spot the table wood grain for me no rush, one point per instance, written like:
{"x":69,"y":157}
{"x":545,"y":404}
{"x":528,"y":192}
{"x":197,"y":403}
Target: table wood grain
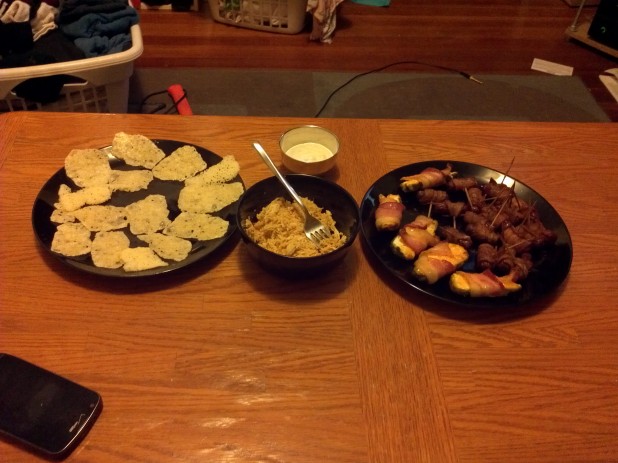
{"x":225,"y":362}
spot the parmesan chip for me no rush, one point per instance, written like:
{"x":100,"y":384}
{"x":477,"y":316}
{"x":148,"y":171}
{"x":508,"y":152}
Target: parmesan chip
{"x":148,"y":215}
{"x":87,"y":167}
{"x":226,"y":170}
{"x":201,"y":227}
{"x":136,"y":150}
{"x":60,"y":216}
{"x":208,"y":198}
{"x":142,"y":258}
{"x":168,"y":246}
{"x":106,"y":249}
{"x":63,"y":189}
{"x":102,"y":218}
{"x":130,"y":180}
{"x":72,"y":200}
{"x":71,"y":239}
{"x":183,"y":163}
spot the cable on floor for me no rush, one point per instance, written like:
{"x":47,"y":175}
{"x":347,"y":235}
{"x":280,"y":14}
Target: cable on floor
{"x":162,"y":108}
{"x":382,"y":68}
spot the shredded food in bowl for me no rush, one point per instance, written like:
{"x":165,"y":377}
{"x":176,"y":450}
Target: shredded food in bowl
{"x":279,"y":227}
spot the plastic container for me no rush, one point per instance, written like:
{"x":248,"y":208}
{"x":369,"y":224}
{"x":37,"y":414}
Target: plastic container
{"x":309,"y":149}
{"x":103,"y":82}
{"x":281,"y":16}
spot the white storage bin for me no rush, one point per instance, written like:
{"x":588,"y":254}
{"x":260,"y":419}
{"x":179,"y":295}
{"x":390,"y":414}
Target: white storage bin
{"x":103,"y":82}
{"x":282,"y":16}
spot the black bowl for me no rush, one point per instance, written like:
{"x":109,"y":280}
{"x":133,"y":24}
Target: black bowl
{"x":324,"y":193}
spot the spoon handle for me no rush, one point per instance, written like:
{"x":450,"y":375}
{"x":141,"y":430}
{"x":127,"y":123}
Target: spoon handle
{"x":275,"y":171}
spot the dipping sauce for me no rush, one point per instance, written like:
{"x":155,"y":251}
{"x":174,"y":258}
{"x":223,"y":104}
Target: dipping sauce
{"x":309,"y":152}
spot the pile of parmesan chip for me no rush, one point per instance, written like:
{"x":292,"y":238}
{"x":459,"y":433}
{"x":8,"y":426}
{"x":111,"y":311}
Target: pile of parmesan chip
{"x":88,"y":224}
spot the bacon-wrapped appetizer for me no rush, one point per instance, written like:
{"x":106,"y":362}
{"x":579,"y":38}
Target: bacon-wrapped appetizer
{"x":486,"y":256}
{"x":483,"y":284}
{"x":415,"y":237}
{"x":439,"y":261}
{"x":431,"y":195}
{"x":540,"y":235}
{"x":453,"y":235}
{"x":476,"y":198}
{"x":389,"y":212}
{"x":495,"y":190}
{"x":428,"y":178}
{"x":482,"y":232}
{"x":425,"y":222}
{"x":461,"y":183}
{"x":508,"y":262}
{"x":454,"y":209}
{"x":516,"y":238}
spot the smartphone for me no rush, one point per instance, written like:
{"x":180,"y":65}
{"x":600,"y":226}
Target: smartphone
{"x":42,"y":411}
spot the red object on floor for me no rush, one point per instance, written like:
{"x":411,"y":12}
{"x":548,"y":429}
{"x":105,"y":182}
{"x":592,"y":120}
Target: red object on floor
{"x":179,"y":98}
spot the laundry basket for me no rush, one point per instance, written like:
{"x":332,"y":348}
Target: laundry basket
{"x":101,"y":83}
{"x":282,"y":16}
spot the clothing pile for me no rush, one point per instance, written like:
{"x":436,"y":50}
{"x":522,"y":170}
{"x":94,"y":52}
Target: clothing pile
{"x":37,"y":32}
{"x":324,"y":14}
{"x":98,"y":27}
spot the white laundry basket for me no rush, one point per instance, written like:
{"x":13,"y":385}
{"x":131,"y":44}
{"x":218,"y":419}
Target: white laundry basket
{"x":282,"y":16}
{"x":102,"y":82}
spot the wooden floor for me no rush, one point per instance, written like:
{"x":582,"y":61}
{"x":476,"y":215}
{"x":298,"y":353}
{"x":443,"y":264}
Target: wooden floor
{"x":493,"y":36}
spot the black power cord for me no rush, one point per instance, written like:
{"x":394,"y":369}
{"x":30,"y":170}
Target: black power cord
{"x":162,"y":106}
{"x":159,"y":106}
{"x":397,"y":63}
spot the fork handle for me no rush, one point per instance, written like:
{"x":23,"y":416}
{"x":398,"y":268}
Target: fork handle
{"x":281,"y":178}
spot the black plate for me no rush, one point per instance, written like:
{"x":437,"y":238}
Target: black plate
{"x":44,"y":229}
{"x":546,"y":276}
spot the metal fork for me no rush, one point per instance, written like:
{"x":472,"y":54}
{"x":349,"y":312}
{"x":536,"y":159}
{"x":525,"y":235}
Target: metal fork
{"x":314,"y":230}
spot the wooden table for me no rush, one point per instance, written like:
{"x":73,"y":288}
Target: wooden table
{"x":225,"y":362}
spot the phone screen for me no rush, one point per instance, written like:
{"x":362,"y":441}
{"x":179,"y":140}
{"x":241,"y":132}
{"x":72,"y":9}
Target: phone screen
{"x":43,"y":410}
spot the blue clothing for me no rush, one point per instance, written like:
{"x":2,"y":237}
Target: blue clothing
{"x":102,"y":33}
{"x":97,"y":46}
